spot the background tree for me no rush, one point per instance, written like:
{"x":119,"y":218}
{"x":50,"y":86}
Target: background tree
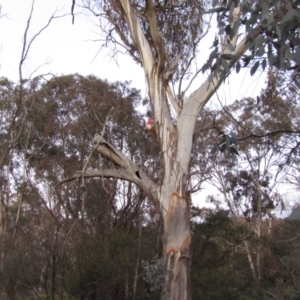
{"x":249,"y":182}
{"x":99,"y":238}
{"x":71,"y":237}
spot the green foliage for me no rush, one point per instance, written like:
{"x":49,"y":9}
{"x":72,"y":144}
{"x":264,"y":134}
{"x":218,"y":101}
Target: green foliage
{"x":219,"y":267}
{"x":220,"y":262}
{"x":226,"y":142}
{"x":278,"y":23}
{"x":154,"y":273}
{"x":180,"y":26}
{"x":294,"y":294}
{"x":222,"y":284}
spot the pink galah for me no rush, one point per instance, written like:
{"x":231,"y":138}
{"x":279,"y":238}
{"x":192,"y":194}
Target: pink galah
{"x":149,"y":124}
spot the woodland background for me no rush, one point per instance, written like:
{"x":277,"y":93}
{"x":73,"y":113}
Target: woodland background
{"x":100,"y":238}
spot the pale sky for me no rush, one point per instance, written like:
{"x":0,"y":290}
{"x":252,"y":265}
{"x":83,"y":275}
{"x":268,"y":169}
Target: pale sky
{"x":64,"y":48}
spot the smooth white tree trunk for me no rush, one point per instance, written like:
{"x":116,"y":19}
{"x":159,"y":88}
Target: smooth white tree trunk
{"x":174,"y":135}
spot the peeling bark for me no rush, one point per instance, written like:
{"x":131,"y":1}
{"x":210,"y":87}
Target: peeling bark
{"x":176,"y":224}
{"x":176,"y":249}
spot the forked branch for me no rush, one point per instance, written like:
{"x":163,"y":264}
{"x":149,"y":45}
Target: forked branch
{"x":125,"y":168}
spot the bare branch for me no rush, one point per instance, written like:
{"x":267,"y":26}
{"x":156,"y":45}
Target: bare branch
{"x":26,"y":47}
{"x":110,"y":152}
{"x":102,"y":134}
{"x":72,"y":11}
{"x":129,"y":170}
{"x":109,"y":173}
{"x":98,"y":143}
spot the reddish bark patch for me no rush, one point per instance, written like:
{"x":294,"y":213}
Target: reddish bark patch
{"x":177,"y":225}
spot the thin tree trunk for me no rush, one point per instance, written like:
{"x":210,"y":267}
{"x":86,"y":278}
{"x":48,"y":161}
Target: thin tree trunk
{"x":2,"y":235}
{"x":53,"y":276}
{"x":53,"y":289}
{"x":5,"y":202}
{"x":140,"y":227}
{"x":126,"y":285}
{"x":21,"y":195}
{"x":251,"y":263}
{"x":258,"y":232}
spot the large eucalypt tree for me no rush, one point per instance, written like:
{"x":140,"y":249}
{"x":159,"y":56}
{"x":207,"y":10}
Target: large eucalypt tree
{"x":164,"y":38}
